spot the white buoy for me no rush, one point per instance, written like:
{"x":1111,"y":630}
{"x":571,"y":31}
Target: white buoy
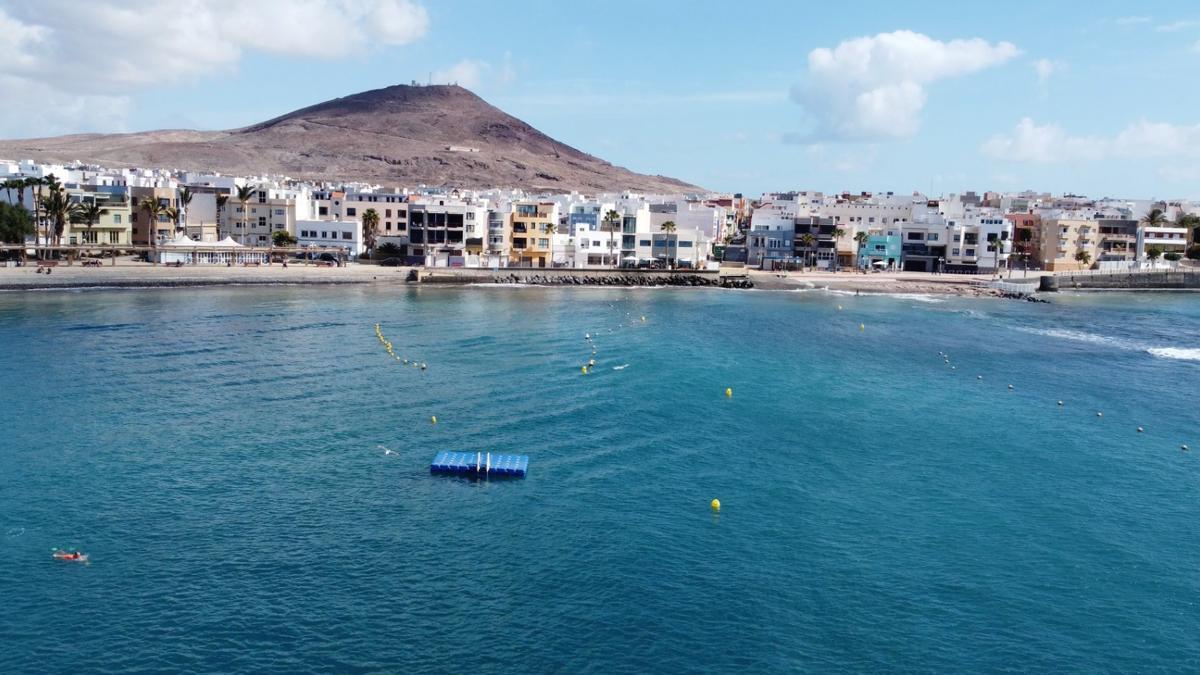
{"x":979,"y":377}
{"x":1099,"y":414}
{"x":1140,"y":430}
{"x":1060,"y":402}
{"x":1183,"y":448}
{"x":1010,"y":386}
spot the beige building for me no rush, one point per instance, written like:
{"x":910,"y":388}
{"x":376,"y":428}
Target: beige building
{"x":1064,"y":239}
{"x":163,"y":229}
{"x":114,"y":228}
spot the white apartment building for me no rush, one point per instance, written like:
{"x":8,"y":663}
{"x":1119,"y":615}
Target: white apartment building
{"x":1163,"y":239}
{"x":343,"y":234}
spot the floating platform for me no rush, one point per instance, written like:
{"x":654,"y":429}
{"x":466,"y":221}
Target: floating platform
{"x":482,"y":464}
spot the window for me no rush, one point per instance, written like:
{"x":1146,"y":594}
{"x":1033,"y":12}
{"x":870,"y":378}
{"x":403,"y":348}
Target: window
{"x":116,"y":218}
{"x":387,"y":213}
{"x":279,"y":212}
{"x":114,"y":237}
{"x":970,"y":253}
{"x":347,"y":235}
{"x":324,"y":235}
{"x":262,"y":197}
{"x":933,"y":236}
{"x":262,"y":221}
{"x":915,"y":236}
{"x":954,"y":252}
{"x":238,"y":210}
{"x":544,"y":243}
{"x":351,"y":211}
{"x":322,"y":210}
{"x":957,"y":238}
{"x":470,"y":215}
{"x":687,"y":244}
{"x":388,"y":226}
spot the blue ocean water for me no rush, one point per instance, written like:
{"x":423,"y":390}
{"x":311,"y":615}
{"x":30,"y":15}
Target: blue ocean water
{"x":220,"y":454}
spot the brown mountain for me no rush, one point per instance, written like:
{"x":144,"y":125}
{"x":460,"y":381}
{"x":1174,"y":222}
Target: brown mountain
{"x":401,"y":135}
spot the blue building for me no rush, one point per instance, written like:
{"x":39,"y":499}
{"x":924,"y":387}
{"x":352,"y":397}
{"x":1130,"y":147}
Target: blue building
{"x":880,"y":247}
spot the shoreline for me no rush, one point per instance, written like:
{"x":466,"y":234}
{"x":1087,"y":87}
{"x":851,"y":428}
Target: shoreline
{"x":144,"y":276}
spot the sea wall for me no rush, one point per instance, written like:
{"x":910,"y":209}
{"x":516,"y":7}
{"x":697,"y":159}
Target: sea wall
{"x":1155,"y":280}
{"x":583,"y":277}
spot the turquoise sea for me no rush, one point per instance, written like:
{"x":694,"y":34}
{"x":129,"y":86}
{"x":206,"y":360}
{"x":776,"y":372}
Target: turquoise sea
{"x":248,"y":470}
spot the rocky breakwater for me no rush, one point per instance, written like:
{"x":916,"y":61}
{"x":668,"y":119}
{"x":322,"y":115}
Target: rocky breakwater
{"x":617,"y":279}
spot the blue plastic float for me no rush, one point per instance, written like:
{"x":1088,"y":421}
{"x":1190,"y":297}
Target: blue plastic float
{"x":481,"y":464}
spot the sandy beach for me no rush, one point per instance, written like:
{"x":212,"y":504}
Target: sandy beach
{"x":884,"y":282}
{"x":130,"y":274}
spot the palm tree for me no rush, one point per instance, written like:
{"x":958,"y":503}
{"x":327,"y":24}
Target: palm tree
{"x":1084,"y":258}
{"x":838,"y":233}
{"x":87,"y":214}
{"x":14,"y":184}
{"x":1156,"y":218}
{"x":861,"y":238}
{"x":1154,"y":253}
{"x":669,"y":228}
{"x":57,"y":207}
{"x":185,"y":199}
{"x":153,"y":210}
{"x":244,"y":194}
{"x":612,"y":218}
{"x":370,"y":221}
{"x":221,"y":201}
{"x":998,"y":248}
{"x":807,"y":241}
{"x":173,"y":214}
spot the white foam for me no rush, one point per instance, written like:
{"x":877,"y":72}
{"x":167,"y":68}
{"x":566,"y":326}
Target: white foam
{"x":1181,"y":353}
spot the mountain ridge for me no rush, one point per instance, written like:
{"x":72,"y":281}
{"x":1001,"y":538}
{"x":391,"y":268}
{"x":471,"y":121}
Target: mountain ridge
{"x":403,"y":135}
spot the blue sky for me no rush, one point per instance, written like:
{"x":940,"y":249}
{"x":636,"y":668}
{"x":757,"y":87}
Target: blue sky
{"x":747,"y":96}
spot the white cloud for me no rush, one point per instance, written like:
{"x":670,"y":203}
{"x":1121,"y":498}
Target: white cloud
{"x":1133,"y":20}
{"x":110,"y":48}
{"x":1044,"y":69}
{"x":473,"y":74}
{"x":1176,"y":26}
{"x":1049,"y":143}
{"x":873,"y":88}
{"x":466,"y":73}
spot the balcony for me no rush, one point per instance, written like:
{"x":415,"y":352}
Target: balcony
{"x":519,"y":228}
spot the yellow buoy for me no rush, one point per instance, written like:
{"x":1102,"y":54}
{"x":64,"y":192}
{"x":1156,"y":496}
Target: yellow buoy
{"x":716,"y":505}
{"x":433,"y":418}
{"x":728,"y":392}
{"x":862,"y":326}
{"x":583,"y":369}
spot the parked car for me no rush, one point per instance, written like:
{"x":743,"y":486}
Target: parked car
{"x":391,"y":262}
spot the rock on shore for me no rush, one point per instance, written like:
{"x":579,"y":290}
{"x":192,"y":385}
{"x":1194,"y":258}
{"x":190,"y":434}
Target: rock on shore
{"x":621,"y":280}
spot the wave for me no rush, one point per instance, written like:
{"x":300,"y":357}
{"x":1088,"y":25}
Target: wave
{"x":1178,"y":353}
{"x":1181,"y":353}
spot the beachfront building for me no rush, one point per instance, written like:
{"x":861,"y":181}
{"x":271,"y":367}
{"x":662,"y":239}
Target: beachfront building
{"x":815,"y":242}
{"x":343,"y":234}
{"x":269,"y":210}
{"x":883,"y":249}
{"x":1160,"y":239}
{"x":1117,"y":248}
{"x":182,"y":250}
{"x":145,"y":227}
{"x":979,"y":242}
{"x":438,"y":226}
{"x":925,"y":239}
{"x":1069,"y":240}
{"x":114,"y":226}
{"x":770,"y":242}
{"x":534,"y":224}
{"x":1026,"y":229}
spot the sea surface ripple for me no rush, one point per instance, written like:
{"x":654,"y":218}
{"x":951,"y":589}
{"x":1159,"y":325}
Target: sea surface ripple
{"x":220,"y":454}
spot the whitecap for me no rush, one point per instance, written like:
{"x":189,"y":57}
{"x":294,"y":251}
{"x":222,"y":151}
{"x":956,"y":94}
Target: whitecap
{"x":1181,"y":353}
